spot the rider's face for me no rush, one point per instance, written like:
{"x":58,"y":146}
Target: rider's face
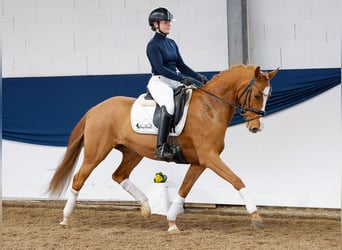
{"x":164,"y":26}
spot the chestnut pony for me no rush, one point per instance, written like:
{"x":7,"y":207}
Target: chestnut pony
{"x":242,"y":88}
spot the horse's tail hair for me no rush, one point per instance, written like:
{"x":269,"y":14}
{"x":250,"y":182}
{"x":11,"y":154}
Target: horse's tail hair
{"x":62,"y":177}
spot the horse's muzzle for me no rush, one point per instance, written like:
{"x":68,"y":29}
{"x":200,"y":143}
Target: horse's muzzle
{"x":255,"y":127}
{"x":254,"y":130}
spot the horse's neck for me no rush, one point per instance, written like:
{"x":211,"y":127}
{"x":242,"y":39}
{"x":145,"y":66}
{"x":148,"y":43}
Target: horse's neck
{"x":224,"y":86}
{"x":228,"y":83}
{"x":216,"y":105}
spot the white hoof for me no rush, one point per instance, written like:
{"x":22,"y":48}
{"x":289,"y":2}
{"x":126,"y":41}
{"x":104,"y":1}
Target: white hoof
{"x":173,"y":229}
{"x":146,"y":210}
{"x":64,"y":223}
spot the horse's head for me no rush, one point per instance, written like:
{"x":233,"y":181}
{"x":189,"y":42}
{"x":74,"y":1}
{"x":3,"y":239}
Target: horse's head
{"x":253,"y":97}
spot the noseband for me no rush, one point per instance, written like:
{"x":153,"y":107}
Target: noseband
{"x":242,"y":109}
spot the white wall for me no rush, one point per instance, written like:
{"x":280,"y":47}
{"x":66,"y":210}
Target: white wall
{"x":79,"y":37}
{"x":295,"y":34}
{"x":82,"y":37}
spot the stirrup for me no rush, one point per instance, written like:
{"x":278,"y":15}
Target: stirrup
{"x":163,"y":153}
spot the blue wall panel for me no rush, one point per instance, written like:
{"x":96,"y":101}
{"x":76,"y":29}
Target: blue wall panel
{"x":44,"y":110}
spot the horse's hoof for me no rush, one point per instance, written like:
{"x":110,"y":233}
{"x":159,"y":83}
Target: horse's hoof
{"x":146,"y":210}
{"x":173,"y":230}
{"x":64,"y":223}
{"x":258,"y":224}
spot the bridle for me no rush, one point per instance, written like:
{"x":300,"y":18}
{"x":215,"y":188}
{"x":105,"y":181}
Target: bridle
{"x":242,"y":109}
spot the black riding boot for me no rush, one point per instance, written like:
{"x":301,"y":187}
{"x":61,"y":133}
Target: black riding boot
{"x":163,"y":151}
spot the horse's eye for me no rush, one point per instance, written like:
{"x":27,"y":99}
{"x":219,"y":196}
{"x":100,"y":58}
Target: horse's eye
{"x":257,"y":97}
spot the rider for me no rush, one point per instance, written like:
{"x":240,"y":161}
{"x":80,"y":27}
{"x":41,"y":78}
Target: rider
{"x":165,"y":60}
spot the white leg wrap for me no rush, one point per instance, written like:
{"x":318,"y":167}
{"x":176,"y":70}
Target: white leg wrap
{"x":173,"y":227}
{"x":176,"y":208}
{"x":250,"y":206}
{"x":69,"y":206}
{"x":133,"y":190}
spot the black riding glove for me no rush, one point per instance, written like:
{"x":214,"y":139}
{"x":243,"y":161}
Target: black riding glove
{"x":187,"y":81}
{"x":202,"y":78}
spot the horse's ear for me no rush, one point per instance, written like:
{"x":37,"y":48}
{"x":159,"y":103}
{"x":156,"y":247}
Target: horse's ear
{"x":273,"y":73}
{"x":257,"y":73}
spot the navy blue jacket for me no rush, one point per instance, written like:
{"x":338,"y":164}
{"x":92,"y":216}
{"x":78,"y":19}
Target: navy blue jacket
{"x":164,"y":56}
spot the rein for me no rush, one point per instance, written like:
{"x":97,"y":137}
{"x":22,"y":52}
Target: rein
{"x":241,"y":109}
{"x":217,"y":97}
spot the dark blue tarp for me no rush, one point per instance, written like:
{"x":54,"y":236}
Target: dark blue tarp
{"x":43,"y":110}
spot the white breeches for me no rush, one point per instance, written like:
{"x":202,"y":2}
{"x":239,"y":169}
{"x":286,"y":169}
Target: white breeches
{"x":161,"y":89}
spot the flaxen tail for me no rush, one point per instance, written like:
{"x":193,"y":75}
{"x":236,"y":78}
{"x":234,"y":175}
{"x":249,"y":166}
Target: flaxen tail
{"x":62,"y":177}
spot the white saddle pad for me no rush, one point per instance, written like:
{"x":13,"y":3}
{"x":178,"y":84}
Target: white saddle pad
{"x":142,"y":116}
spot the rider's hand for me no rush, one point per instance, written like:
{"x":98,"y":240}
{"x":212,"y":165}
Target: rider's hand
{"x":187,"y":81}
{"x":202,"y":78}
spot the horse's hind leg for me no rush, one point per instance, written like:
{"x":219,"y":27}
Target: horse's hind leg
{"x":130,"y":160}
{"x":93,"y":155}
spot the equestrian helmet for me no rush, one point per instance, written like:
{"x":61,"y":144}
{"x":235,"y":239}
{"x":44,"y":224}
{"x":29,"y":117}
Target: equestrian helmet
{"x":158,"y":15}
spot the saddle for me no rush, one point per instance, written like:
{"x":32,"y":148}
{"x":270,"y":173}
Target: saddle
{"x":145,"y":116}
{"x":180,"y":98}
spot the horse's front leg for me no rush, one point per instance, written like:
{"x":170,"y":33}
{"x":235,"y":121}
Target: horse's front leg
{"x":194,"y":171}
{"x":215,"y":163}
